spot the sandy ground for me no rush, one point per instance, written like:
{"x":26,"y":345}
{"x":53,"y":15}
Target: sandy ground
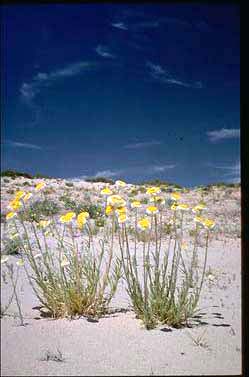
{"x":118,"y":344}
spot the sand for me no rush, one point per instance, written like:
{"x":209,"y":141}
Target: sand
{"x":118,"y":344}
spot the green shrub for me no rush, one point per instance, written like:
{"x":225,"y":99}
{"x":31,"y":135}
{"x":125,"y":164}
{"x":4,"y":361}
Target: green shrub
{"x":95,"y":211}
{"x":39,"y":209}
{"x":100,"y":179}
{"x":14,"y":174}
{"x":12,"y":245}
{"x":69,"y":184}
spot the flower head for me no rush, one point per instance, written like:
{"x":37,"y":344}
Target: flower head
{"x":120,"y":183}
{"x":199,"y":219}
{"x":143,"y":223}
{"x":121,"y":210}
{"x":175,"y":196}
{"x":106,"y":191}
{"x":81,"y":219}
{"x":198,"y":208}
{"x":122,"y":218}
{"x":15,"y":204}
{"x":10,"y":215}
{"x":67,"y":217}
{"x":27,"y":196}
{"x":151,"y":210}
{"x":174,"y":206}
{"x":157,"y":199}
{"x":153,"y":190}
{"x":109,"y":210}
{"x":183,"y":207}
{"x":135,"y":204}
{"x":19,"y":194}
{"x":208,"y":224}
{"x":40,"y":186}
{"x":116,"y":201}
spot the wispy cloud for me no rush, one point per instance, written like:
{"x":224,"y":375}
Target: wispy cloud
{"x":223,"y":134}
{"x":23,"y":145}
{"x":108,"y":173}
{"x":120,"y":25}
{"x":104,"y":52}
{"x":230,"y":173}
{"x":158,"y":73}
{"x":162,"y":168}
{"x":144,"y":144}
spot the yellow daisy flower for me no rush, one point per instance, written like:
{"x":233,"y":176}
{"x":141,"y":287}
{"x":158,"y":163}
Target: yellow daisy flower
{"x":106,"y":191}
{"x":10,"y":215}
{"x":151,"y":210}
{"x":116,"y":201}
{"x":19,"y":194}
{"x":153,"y":190}
{"x":109,"y":210}
{"x":15,"y":204}
{"x":208,"y":224}
{"x":198,"y":208}
{"x":174,"y":206}
{"x":183,"y":207}
{"x":135,"y":204}
{"x":81,"y":219}
{"x":157,"y":199}
{"x":121,"y":210}
{"x":144,"y":223}
{"x":122,"y":218}
{"x":27,"y":196}
{"x":199,"y":219}
{"x":40,"y":186}
{"x":120,"y":183}
{"x":67,"y":217}
{"x":175,"y":196}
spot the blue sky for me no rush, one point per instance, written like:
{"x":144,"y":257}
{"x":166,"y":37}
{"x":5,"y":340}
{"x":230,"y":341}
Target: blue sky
{"x":131,"y":92}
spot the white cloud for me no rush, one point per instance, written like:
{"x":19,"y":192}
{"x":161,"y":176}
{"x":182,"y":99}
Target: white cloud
{"x":23,"y":145}
{"x":158,"y":73}
{"x":103,"y":51}
{"x":232,"y":171}
{"x":120,"y":25}
{"x":142,"y":144}
{"x":161,"y":168}
{"x":223,"y":134}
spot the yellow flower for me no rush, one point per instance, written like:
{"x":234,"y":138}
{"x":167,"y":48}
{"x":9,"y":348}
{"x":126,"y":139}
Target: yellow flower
{"x":151,"y":210}
{"x":121,"y":210}
{"x":120,"y":183}
{"x":175,"y":196}
{"x":183,"y":207}
{"x":116,"y":201}
{"x":199,"y":219}
{"x":27,"y":196}
{"x":67,"y":217}
{"x":122,"y":218}
{"x":81,"y":219}
{"x":209,"y":224}
{"x":19,"y":194}
{"x":20,"y":262}
{"x":198,"y":208}
{"x":40,"y":186}
{"x":157,"y":199}
{"x":135,"y":204}
{"x":15,"y":204}
{"x":44,"y":223}
{"x":4,"y":259}
{"x":174,"y":206}
{"x":109,"y":210}
{"x":10,"y":215}
{"x":153,"y":190}
{"x":144,"y":223}
{"x":106,"y":191}
{"x":64,"y":261}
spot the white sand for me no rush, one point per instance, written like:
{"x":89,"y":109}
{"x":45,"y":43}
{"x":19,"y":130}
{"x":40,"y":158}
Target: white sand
{"x":119,"y":345}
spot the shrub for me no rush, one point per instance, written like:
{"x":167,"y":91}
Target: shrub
{"x":12,"y":245}
{"x":14,"y":174}
{"x":69,"y":184}
{"x":39,"y":209}
{"x":100,"y":179}
{"x":94,"y":210}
